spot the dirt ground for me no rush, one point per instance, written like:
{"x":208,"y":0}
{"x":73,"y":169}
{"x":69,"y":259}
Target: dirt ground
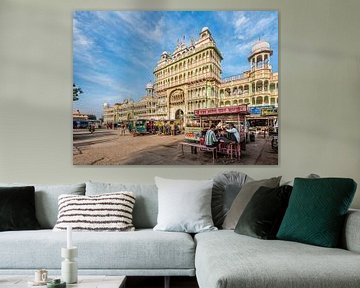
{"x":108,"y":147}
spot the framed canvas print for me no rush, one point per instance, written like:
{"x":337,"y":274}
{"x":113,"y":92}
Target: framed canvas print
{"x":175,"y":88}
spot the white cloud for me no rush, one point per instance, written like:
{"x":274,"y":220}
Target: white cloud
{"x":240,"y":23}
{"x":244,"y":48}
{"x":231,"y":69}
{"x":262,"y":25}
{"x":136,"y":22}
{"x":80,"y":40}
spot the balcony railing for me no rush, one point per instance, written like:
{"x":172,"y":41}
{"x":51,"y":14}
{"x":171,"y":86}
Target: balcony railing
{"x":203,"y":76}
{"x":185,"y":55}
{"x":233,"y":78}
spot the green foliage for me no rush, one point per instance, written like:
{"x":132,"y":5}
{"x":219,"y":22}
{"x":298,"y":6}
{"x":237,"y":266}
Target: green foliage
{"x":76,"y":92}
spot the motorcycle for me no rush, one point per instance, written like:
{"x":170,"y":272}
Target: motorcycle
{"x":92,"y":129}
{"x":274,"y":142}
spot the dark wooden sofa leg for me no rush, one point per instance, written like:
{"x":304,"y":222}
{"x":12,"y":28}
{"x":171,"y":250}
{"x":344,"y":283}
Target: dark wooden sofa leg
{"x":167,"y":282}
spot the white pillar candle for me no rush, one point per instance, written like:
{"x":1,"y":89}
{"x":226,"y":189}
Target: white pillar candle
{"x":69,"y":237}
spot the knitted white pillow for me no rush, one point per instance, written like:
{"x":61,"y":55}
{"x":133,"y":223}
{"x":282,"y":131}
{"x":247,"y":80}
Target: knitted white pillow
{"x":105,"y":212}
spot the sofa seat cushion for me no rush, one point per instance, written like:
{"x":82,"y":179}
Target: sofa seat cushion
{"x":226,"y":259}
{"x":142,"y":249}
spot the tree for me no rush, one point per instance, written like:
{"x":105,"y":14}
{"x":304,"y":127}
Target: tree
{"x":91,"y":117}
{"x":76,"y":92}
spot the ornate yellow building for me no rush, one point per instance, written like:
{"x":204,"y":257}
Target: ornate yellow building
{"x":190,"y":79}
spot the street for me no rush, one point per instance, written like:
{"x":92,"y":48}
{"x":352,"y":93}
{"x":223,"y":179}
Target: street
{"x":108,"y":147}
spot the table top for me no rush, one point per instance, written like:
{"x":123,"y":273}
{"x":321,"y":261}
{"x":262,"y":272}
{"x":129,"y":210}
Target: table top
{"x":84,"y":281}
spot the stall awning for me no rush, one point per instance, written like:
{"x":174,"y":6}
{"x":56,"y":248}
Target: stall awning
{"x":240,"y":109}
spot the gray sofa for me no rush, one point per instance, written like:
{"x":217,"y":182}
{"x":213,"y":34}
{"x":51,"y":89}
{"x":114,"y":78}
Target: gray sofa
{"x":218,"y":259}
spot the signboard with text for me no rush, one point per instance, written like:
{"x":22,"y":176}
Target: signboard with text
{"x":241,"y":109}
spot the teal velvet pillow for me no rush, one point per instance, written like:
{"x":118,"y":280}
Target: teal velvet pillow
{"x":316,"y":211}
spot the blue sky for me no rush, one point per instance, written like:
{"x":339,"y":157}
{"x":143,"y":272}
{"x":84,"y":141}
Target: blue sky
{"x":115,"y":52}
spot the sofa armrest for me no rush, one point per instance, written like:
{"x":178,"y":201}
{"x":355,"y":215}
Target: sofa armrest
{"x":351,"y":234}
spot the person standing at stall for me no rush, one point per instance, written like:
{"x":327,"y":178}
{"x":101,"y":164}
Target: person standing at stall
{"x":234,"y":133}
{"x":210,"y":137}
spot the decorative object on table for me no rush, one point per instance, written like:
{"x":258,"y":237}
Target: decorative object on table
{"x":69,"y":269}
{"x":40,"y":279}
{"x":56,"y":283}
{"x":41,"y":275}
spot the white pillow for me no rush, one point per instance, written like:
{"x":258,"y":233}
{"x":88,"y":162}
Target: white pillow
{"x":105,"y":212}
{"x":184,"y":205}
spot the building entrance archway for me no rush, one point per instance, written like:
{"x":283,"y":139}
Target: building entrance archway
{"x":177,"y":105}
{"x":179,"y":114}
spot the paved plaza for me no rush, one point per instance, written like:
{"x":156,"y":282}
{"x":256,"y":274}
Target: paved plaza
{"x":108,"y":147}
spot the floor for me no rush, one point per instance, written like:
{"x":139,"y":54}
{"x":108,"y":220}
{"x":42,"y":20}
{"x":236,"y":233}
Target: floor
{"x":158,"y":282}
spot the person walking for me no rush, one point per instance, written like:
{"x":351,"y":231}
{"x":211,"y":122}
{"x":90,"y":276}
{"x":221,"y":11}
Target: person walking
{"x":172,"y":128}
{"x":122,"y":129}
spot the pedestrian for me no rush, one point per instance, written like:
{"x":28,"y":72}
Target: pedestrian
{"x":210,"y":137}
{"x":167,"y":129}
{"x":172,"y":127}
{"x":122,"y":129}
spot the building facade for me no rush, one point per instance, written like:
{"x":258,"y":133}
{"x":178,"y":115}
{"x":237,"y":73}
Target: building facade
{"x":190,"y":79}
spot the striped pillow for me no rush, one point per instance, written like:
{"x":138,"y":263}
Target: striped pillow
{"x":105,"y":212}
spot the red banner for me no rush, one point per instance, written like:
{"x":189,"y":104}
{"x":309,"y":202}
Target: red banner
{"x":241,"y":109}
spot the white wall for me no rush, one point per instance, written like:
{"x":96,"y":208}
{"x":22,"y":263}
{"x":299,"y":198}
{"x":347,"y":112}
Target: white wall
{"x":319,"y":69}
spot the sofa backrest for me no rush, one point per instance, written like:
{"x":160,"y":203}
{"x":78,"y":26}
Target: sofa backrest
{"x":46,"y":200}
{"x":146,"y":203}
{"x":351,"y":237}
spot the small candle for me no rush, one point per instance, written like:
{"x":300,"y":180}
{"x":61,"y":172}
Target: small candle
{"x":69,"y":239}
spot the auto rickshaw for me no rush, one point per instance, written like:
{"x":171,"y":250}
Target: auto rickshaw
{"x":138,"y":127}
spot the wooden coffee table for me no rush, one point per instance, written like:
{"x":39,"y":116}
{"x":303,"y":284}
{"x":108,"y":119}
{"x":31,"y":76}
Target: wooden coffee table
{"x":83,"y":282}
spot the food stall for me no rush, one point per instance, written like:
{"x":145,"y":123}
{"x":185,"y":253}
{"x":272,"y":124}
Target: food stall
{"x":234,"y":114}
{"x":205,"y":117}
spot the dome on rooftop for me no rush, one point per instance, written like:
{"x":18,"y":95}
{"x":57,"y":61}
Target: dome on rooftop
{"x":204,"y":29}
{"x":149,"y":85}
{"x":164,"y":53}
{"x":260,"y":46}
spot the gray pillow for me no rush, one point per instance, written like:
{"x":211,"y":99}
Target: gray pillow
{"x":46,"y":200}
{"x":310,"y":176}
{"x":243,"y":198}
{"x":184,"y":205}
{"x":226,"y":187}
{"x":146,"y":204}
